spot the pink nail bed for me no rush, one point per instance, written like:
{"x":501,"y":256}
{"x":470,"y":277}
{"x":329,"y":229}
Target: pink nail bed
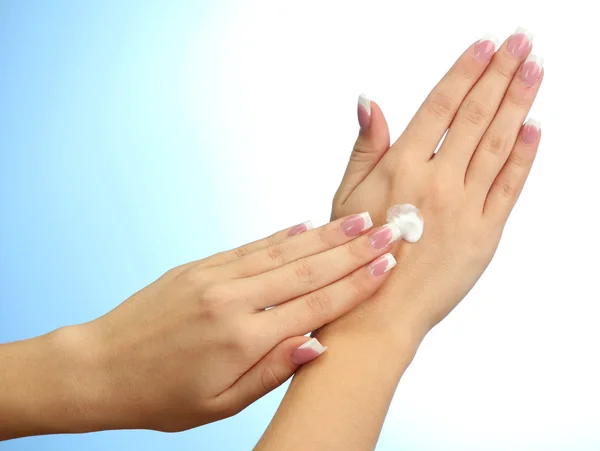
{"x":364,"y":112}
{"x":531,"y":70}
{"x":300,"y":228}
{"x":355,"y":224}
{"x":519,"y":43}
{"x":485,"y":48}
{"x":384,"y":236}
{"x":307,"y":352}
{"x":531,"y":131}
{"x":381,"y":265}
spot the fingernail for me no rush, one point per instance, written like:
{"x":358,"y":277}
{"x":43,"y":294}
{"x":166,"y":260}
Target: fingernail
{"x":301,"y":228}
{"x":355,"y":224}
{"x":364,"y":112}
{"x":531,"y":131}
{"x":383,"y":236}
{"x":485,"y":47}
{"x":307,"y":352}
{"x":381,"y":265}
{"x":518,"y":44}
{"x":531,"y":70}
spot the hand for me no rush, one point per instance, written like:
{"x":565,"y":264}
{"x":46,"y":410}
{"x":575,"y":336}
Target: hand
{"x":465,"y":191}
{"x":201,"y":343}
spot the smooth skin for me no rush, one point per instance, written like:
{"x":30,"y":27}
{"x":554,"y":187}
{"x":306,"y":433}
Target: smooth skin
{"x":466,"y":192}
{"x":201,"y":343}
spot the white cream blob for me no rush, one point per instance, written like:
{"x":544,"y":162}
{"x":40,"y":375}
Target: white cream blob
{"x":408,"y":219}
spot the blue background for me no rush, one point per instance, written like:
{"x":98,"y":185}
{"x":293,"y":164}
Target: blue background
{"x":104,"y":183}
{"x":134,"y":134}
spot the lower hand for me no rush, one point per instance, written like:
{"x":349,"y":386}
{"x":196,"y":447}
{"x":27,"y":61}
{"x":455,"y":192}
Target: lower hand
{"x":210,"y":337}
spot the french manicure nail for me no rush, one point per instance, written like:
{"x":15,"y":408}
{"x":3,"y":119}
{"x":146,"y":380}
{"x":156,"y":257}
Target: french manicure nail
{"x":307,"y":352}
{"x":531,"y":131}
{"x":385,"y":235}
{"x":485,"y":47}
{"x":531,"y":70}
{"x":301,"y":228}
{"x":520,"y":42}
{"x":355,"y":224}
{"x":381,"y":265}
{"x":364,"y":112}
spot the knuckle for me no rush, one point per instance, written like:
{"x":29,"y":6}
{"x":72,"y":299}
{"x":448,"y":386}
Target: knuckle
{"x":439,"y":193}
{"x":517,"y":160}
{"x":237,"y":340}
{"x":518,"y":97}
{"x":215,"y":300}
{"x":356,"y":287}
{"x":362,"y":151}
{"x":476,"y":113}
{"x":355,"y":250}
{"x":318,"y":303}
{"x":276,"y":253}
{"x":269,"y":380}
{"x":307,"y":272}
{"x":272,"y":240}
{"x":191,"y":277}
{"x":441,"y":105}
{"x":495,"y":143}
{"x":506,"y":188}
{"x":324,"y":236}
{"x":241,"y":251}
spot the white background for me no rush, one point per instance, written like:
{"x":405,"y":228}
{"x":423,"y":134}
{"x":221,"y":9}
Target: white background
{"x":515,"y":366}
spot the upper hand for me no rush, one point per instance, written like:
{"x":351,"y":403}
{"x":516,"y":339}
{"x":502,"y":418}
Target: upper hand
{"x":465,"y":191}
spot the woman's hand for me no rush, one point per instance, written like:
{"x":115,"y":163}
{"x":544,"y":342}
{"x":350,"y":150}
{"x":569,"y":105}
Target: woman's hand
{"x":465,"y":192}
{"x":202,"y":342}
{"x":467,"y":189}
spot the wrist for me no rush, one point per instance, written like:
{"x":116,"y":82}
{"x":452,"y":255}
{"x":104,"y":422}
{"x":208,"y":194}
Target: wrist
{"x":41,"y":390}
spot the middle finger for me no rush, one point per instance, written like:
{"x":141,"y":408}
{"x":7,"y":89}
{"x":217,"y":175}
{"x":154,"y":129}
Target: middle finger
{"x":479,"y":107}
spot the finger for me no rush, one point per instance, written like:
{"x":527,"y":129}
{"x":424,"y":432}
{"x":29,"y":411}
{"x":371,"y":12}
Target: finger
{"x":510,"y":181}
{"x":433,"y":118}
{"x":311,"y":273}
{"x":372,"y":142}
{"x":235,"y":254}
{"x":315,"y":241}
{"x":320,"y":307}
{"x":477,"y":111}
{"x":499,"y":139}
{"x":270,"y":372}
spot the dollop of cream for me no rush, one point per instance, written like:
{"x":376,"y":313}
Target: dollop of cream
{"x":408,"y":219}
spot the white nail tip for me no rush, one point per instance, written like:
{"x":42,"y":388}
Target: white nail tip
{"x":535,"y":59}
{"x":391,"y":262}
{"x":490,"y":37}
{"x":521,"y":30}
{"x":533,"y":123}
{"x":315,"y":345}
{"x":396,"y":231}
{"x":365,"y":101}
{"x":368,"y":222}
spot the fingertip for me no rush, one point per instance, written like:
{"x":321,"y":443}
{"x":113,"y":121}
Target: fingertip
{"x":531,"y":131}
{"x":301,"y":228}
{"x":307,"y":352}
{"x":381,"y":265}
{"x":363,"y":112}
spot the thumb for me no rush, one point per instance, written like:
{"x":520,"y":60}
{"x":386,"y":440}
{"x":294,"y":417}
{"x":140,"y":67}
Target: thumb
{"x":372,"y":142}
{"x":270,"y":372}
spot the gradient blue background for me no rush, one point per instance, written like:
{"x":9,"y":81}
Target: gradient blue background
{"x":104,"y":183}
{"x":134,"y":135}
